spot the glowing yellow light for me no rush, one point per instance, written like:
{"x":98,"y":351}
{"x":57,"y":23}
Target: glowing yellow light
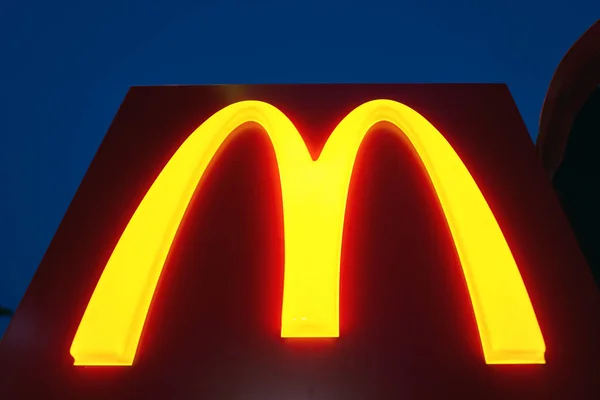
{"x":314,"y":197}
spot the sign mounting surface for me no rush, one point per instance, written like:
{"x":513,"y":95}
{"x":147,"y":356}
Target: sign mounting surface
{"x":406,"y":312}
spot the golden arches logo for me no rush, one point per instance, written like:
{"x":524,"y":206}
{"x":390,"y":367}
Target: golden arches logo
{"x":314,"y":194}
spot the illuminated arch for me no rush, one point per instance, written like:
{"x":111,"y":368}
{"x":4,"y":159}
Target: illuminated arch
{"x":314,"y":197}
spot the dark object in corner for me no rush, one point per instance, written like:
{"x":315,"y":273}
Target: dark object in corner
{"x":577,"y":181}
{"x":568,"y":141}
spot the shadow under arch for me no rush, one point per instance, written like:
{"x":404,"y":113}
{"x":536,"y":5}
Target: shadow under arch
{"x":569,"y":137}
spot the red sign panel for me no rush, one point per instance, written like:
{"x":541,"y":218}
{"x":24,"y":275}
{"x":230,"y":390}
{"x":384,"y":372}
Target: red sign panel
{"x":274,"y":241}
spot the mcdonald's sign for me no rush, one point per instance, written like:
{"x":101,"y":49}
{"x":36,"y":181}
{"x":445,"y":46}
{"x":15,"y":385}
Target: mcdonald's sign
{"x":272,"y":241}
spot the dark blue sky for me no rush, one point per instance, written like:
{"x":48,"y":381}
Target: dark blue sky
{"x":66,"y":66}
